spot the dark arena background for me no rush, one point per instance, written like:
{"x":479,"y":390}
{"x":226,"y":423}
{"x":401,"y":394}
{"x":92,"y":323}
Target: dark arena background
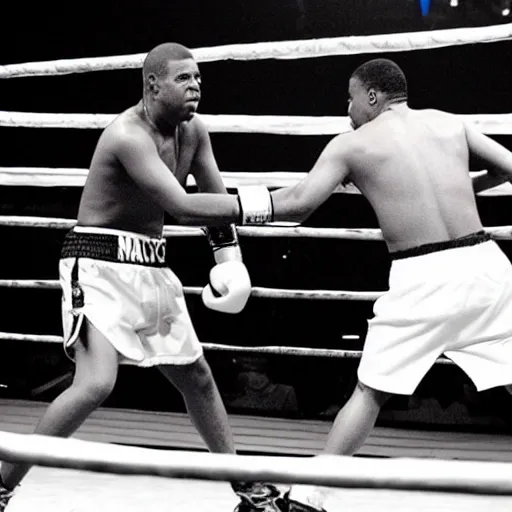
{"x":466,"y":79}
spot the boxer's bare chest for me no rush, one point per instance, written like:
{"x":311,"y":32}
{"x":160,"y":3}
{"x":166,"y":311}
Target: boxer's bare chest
{"x":176,"y":152}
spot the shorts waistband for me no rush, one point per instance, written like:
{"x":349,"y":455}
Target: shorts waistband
{"x":464,"y":241}
{"x":116,"y":246}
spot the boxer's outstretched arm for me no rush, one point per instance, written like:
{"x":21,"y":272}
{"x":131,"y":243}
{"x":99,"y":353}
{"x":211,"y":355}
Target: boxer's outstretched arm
{"x":138,"y":155}
{"x":495,"y":158}
{"x":298,"y":202}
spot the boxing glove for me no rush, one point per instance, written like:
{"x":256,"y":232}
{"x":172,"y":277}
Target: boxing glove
{"x":230,"y":285}
{"x":229,"y":288}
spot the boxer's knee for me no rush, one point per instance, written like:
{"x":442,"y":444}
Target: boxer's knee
{"x":196,"y":377}
{"x":94,"y":390}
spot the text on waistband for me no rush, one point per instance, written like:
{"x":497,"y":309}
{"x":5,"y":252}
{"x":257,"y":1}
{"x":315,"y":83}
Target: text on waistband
{"x":136,"y":250}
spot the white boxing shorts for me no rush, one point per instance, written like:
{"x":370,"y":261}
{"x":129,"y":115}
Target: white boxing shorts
{"x":120,"y":282}
{"x":454,"y":298}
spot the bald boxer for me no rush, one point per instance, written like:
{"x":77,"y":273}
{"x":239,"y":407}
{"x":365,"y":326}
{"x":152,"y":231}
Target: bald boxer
{"x":121,"y":302}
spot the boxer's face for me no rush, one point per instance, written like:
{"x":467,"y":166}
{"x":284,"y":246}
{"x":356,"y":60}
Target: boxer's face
{"x":180,"y":90}
{"x":360,"y":109}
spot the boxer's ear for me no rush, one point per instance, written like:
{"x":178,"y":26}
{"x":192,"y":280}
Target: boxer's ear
{"x":372,"y":97}
{"x":152,"y":82}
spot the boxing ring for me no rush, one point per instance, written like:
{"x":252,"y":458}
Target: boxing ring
{"x":132,"y":477}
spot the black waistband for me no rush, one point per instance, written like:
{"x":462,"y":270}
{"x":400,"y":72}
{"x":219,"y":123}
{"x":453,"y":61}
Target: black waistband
{"x":464,"y":241}
{"x":115,"y":248}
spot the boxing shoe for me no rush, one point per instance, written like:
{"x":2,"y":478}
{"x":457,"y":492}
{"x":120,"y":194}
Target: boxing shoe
{"x":258,"y":497}
{"x":286,"y":504}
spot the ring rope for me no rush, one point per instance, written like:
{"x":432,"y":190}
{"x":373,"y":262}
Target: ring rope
{"x":73,"y":177}
{"x":366,"y":234}
{"x":274,"y":350}
{"x":256,"y":291}
{"x":271,"y":349}
{"x":466,"y":477}
{"x":491,"y":124}
{"x":371,"y":234}
{"x":300,"y":49}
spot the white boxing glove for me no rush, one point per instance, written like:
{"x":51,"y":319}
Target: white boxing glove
{"x":229,"y":288}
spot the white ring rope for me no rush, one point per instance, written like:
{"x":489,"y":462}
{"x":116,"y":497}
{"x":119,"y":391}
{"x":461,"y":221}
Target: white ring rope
{"x":366,"y":234}
{"x":73,"y":177}
{"x":491,"y":124}
{"x":465,"y":477}
{"x":256,"y":291}
{"x":270,"y":349}
{"x":301,"y":49}
{"x":275,"y":350}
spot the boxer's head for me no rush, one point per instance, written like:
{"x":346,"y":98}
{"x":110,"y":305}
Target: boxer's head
{"x":172,"y":82}
{"x":372,"y":87}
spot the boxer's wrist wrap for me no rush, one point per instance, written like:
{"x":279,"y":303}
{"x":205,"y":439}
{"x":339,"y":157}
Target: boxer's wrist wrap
{"x":223,"y":241}
{"x":255,"y":204}
{"x":221,"y":236}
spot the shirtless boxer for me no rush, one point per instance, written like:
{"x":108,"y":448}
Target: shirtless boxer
{"x":450,"y":286}
{"x":121,"y":303}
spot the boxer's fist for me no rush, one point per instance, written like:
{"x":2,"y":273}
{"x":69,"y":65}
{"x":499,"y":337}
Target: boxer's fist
{"x":229,"y":288}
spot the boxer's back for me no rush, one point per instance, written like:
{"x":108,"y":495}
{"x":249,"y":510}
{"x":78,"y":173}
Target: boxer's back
{"x":412,"y":166}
